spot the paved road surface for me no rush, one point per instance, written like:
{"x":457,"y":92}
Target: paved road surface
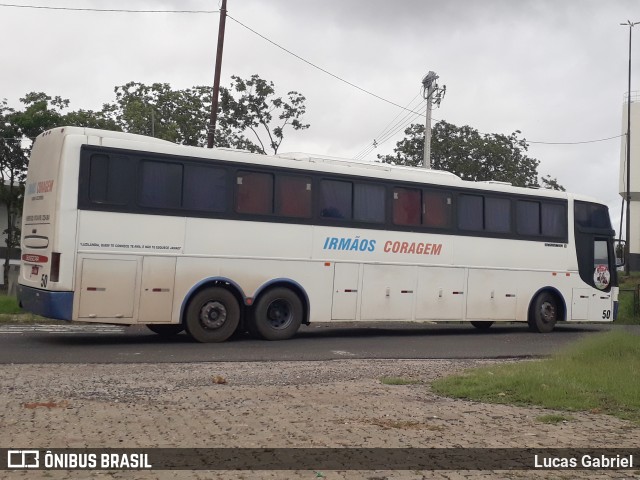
{"x":77,"y":343}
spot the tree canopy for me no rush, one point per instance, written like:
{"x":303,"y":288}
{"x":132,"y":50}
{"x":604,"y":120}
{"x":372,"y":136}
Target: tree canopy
{"x":250,"y":114}
{"x":472,"y":155}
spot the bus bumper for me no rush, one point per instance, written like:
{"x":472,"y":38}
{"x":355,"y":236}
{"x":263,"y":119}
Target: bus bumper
{"x":57,"y":305}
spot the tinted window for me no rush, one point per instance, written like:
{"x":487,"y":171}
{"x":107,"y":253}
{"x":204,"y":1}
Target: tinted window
{"x":436,"y":209}
{"x":205,"y":188}
{"x":528,"y":217}
{"x":254,"y":193}
{"x":407,"y":206}
{"x":335,"y":199}
{"x":108,"y":179}
{"x":470,"y":212}
{"x":161,"y":184}
{"x":554,"y":221}
{"x":293,"y":196}
{"x":590,"y":215}
{"x":368,"y":203}
{"x":497,"y":215}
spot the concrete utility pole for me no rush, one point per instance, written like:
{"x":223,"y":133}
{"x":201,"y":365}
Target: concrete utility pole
{"x":433,"y":94}
{"x":627,"y":266}
{"x":216,"y":79}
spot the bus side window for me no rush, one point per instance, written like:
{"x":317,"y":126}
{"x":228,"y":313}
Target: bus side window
{"x":497,"y":214}
{"x":335,"y":199}
{"x":407,"y":206}
{"x":527,"y":217}
{"x":368,"y":203}
{"x":554,"y":220}
{"x":436,"y":209}
{"x":109,"y":179}
{"x":293,"y":196}
{"x":254,"y":193}
{"x":470,"y":212}
{"x":205,"y":188}
{"x":161,"y":184}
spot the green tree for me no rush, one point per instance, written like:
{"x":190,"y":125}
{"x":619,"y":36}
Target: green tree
{"x":13,"y":164}
{"x":252,"y":106}
{"x":178,"y":116}
{"x":18,"y":129}
{"x":248,"y":108}
{"x":472,"y":155}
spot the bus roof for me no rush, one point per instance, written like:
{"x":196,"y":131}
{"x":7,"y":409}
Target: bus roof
{"x":304,"y":161}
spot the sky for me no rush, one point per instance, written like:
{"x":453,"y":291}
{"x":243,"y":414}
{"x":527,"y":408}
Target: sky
{"x":554,"y":70}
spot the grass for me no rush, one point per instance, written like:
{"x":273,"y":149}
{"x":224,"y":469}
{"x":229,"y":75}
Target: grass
{"x":600,"y":374}
{"x":554,"y":418}
{"x":398,"y":381}
{"x":9,"y":305}
{"x":11,"y":313}
{"x":625,"y":299}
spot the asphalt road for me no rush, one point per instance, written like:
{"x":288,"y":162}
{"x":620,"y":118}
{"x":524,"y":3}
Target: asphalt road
{"x":76,"y":343}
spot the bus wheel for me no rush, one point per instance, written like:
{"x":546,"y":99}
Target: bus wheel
{"x":544,"y":313}
{"x":482,"y":325}
{"x":166,"y":330}
{"x":277,"y":315}
{"x":212,"y":315}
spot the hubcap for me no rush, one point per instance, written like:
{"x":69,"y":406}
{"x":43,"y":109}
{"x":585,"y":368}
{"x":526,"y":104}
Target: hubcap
{"x":213,"y":315}
{"x":279,"y":314}
{"x":548,"y":312}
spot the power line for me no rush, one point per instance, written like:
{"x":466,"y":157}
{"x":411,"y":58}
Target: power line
{"x":575,"y":143}
{"x":376,"y":142}
{"x":400,"y":125}
{"x":110,"y":10}
{"x":316,"y":66}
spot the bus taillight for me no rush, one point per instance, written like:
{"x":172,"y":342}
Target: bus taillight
{"x":55,"y":267}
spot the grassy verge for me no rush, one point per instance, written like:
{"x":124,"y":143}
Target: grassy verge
{"x":398,"y":381}
{"x":11,"y":313}
{"x":626,"y":298}
{"x":600,"y":374}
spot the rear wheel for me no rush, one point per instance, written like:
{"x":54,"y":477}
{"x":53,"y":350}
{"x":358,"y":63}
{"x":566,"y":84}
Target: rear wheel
{"x":482,"y":325}
{"x":212,"y":315}
{"x":166,"y":330}
{"x":277,"y":315}
{"x":544,"y":313}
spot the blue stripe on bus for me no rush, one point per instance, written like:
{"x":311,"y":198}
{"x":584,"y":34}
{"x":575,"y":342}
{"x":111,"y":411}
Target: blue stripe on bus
{"x":58,"y":305}
{"x":615,"y":311}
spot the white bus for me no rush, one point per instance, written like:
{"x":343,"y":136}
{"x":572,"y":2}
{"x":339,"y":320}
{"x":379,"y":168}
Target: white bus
{"x":125,"y":229}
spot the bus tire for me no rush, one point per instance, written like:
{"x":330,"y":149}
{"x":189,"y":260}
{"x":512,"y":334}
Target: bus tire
{"x":482,"y":325}
{"x":277,"y":315}
{"x":212,"y":315}
{"x":166,"y":330}
{"x":544,"y":313}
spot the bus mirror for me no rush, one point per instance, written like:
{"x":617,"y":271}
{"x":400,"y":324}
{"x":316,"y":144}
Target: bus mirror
{"x":620,"y":252}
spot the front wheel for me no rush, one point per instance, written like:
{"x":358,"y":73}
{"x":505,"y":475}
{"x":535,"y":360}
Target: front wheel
{"x":544,"y":313}
{"x":277,"y":315}
{"x":212,"y":315}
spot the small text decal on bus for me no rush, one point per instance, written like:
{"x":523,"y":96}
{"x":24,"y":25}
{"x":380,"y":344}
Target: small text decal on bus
{"x":40,"y":187}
